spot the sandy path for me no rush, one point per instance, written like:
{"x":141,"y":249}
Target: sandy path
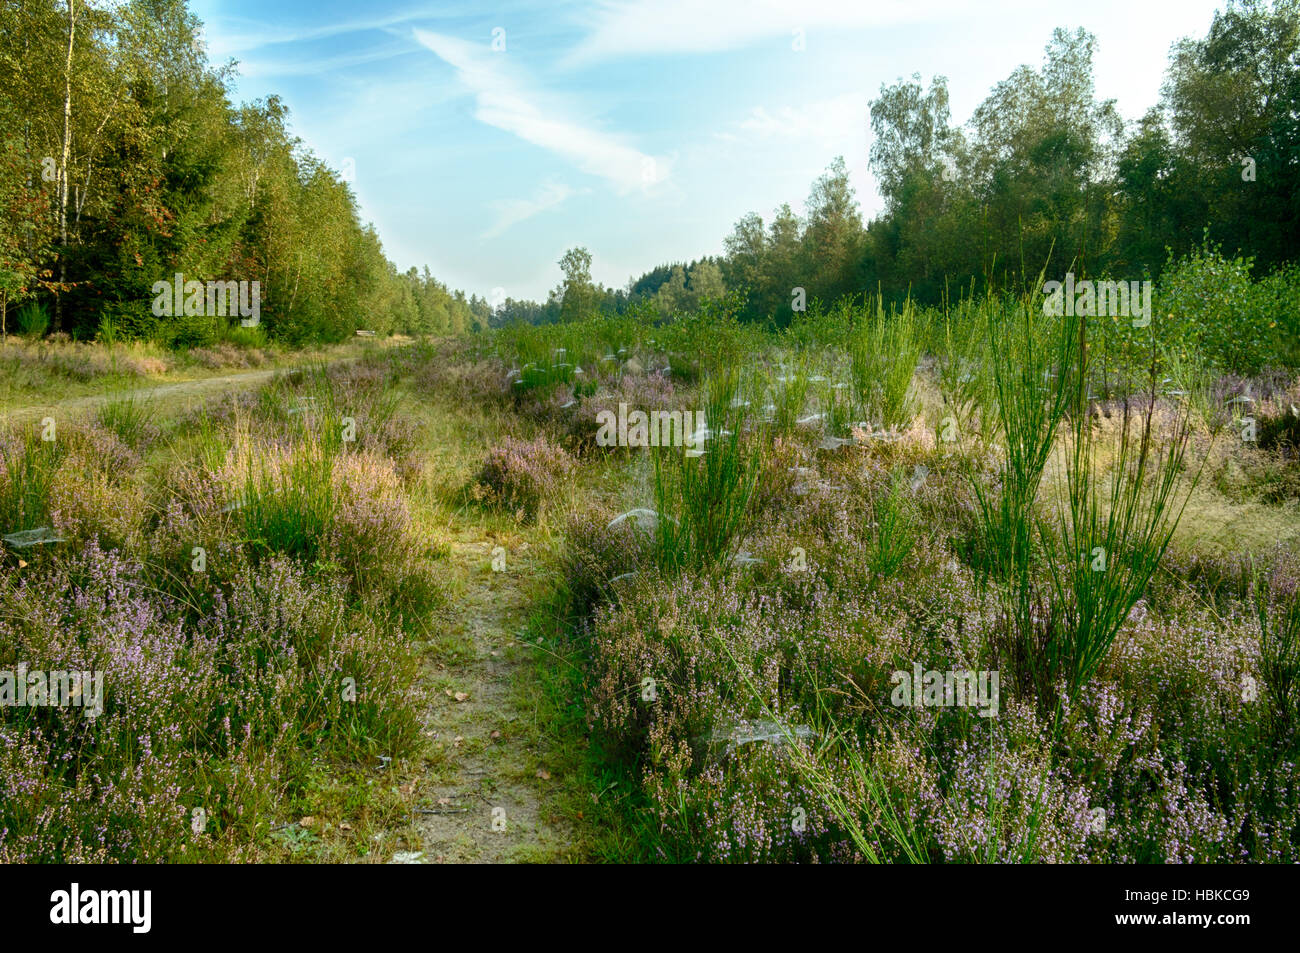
{"x":483,"y":798}
{"x":487,"y":802}
{"x":178,"y":392}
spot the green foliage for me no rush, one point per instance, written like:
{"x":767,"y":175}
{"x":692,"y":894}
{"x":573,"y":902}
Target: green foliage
{"x":170,"y":177}
{"x":1279,"y":654}
{"x":1111,"y":535}
{"x":702,"y":498}
{"x":131,"y":320}
{"x":25,"y":220}
{"x":965,"y":372}
{"x":107,"y":333}
{"x":33,"y":319}
{"x":29,"y":466}
{"x":187,"y":331}
{"x":883,"y":357}
{"x":240,"y":336}
{"x":1034,"y":363}
{"x":893,"y":527}
{"x":132,"y":418}
{"x":788,"y":393}
{"x":288,"y":502}
{"x":1215,"y":308}
{"x":577,"y":293}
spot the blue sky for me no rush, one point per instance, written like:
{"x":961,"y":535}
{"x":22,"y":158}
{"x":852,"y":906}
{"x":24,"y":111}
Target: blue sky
{"x":640,"y":129}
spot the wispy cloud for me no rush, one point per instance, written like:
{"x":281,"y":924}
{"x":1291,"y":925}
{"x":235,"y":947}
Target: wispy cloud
{"x":643,"y":27}
{"x":234,"y":35}
{"x":801,"y":138}
{"x":280,"y":66}
{"x":822,"y":122}
{"x":513,"y":211}
{"x":503,"y":101}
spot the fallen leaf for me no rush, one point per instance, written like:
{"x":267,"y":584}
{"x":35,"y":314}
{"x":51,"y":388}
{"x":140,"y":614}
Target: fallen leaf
{"x":544,"y":774}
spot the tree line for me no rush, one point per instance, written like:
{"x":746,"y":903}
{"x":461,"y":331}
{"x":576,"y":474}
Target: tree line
{"x":1045,"y":176}
{"x":123,"y":161}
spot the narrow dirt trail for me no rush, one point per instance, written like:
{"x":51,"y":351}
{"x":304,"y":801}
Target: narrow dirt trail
{"x":488,"y":790}
{"x":203,"y":388}
{"x":480,"y":794}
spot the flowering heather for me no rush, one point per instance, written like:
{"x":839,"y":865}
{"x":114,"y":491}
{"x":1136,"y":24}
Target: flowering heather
{"x":522,"y":475}
{"x":72,"y":360}
{"x":596,"y":554}
{"x":1003,"y":800}
{"x":199,"y":712}
{"x":392,"y":436}
{"x":225,"y":354}
{"x":371,"y":531}
{"x":81,"y":484}
{"x":1168,"y":754}
{"x":94,"y":493}
{"x":571,"y":413}
{"x":448,"y":369}
{"x":89,"y":504}
{"x":98,"y":447}
{"x":221,"y":412}
{"x":752,"y":809}
{"x":27,"y":470}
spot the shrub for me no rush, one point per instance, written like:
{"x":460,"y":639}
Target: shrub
{"x":596,"y":553}
{"x":893,"y":527}
{"x":285,"y":499}
{"x":370,"y":526}
{"x":27,"y":468}
{"x":521,"y":475}
{"x":33,"y":319}
{"x":884,"y":353}
{"x":210,"y":710}
{"x":1110,"y":537}
{"x":1033,"y":357}
{"x":131,"y":320}
{"x":192,"y":330}
{"x":702,"y":493}
{"x":1239,"y":324}
{"x":227,"y":355}
{"x":132,"y":419}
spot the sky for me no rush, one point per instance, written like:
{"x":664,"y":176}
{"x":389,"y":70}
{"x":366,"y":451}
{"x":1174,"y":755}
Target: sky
{"x":485,"y":139}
